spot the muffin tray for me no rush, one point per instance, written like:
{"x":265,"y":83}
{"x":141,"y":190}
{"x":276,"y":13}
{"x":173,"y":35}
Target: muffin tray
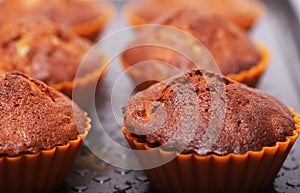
{"x":278,"y":30}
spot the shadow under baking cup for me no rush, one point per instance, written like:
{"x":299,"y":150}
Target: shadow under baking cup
{"x":253,"y":171}
{"x":44,"y":171}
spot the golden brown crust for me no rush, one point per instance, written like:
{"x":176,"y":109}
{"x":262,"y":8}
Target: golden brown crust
{"x":70,"y":12}
{"x":252,"y":121}
{"x":85,"y":18}
{"x":35,"y":116}
{"x":67,"y":12}
{"x":244,"y":13}
{"x":230,"y":46}
{"x":42,"y":49}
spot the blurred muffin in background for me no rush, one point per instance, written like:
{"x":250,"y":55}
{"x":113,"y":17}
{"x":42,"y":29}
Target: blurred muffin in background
{"x":202,"y":132}
{"x":235,"y":54}
{"x":45,"y":50}
{"x":41,"y":133}
{"x":244,"y":13}
{"x":85,"y":18}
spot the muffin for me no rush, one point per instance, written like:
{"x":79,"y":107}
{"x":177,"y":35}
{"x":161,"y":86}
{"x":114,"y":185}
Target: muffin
{"x":195,"y":146}
{"x":235,"y":54}
{"x":244,"y":13}
{"x":45,"y":50}
{"x":41,"y":132}
{"x":93,"y":18}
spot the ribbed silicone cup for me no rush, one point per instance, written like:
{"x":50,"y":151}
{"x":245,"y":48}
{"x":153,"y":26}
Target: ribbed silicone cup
{"x":253,"y":171}
{"x":41,"y":172}
{"x":249,"y":77}
{"x":92,"y":29}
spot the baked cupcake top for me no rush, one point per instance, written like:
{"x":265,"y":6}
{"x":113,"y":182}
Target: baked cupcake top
{"x":150,"y":10}
{"x":241,"y":12}
{"x":244,"y":13}
{"x":67,"y":11}
{"x":63,"y":11}
{"x":252,"y":119}
{"x":230,"y":46}
{"x":35,"y":116}
{"x":43,"y":49}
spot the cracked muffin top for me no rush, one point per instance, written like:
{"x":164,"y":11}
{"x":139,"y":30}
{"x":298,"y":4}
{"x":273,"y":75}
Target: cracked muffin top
{"x":43,"y":49}
{"x":207,"y":113}
{"x":244,"y":13}
{"x":35,"y":116}
{"x":231,"y":47}
{"x":64,"y":11}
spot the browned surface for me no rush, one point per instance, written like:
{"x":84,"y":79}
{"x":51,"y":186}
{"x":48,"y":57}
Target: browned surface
{"x":230,"y":46}
{"x":35,"y":116}
{"x":244,"y":13}
{"x":42,"y":49}
{"x":68,"y":12}
{"x":252,"y":121}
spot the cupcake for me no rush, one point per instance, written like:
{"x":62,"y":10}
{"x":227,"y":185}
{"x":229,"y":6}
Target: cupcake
{"x":41,"y":132}
{"x":93,"y":18}
{"x":235,"y":54}
{"x":45,"y":50}
{"x":195,"y":146}
{"x":244,"y":13}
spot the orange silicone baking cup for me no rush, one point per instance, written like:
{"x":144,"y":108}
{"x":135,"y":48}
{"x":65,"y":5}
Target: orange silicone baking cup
{"x":249,"y":77}
{"x":253,"y":171}
{"x":92,"y":29}
{"x":44,"y":171}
